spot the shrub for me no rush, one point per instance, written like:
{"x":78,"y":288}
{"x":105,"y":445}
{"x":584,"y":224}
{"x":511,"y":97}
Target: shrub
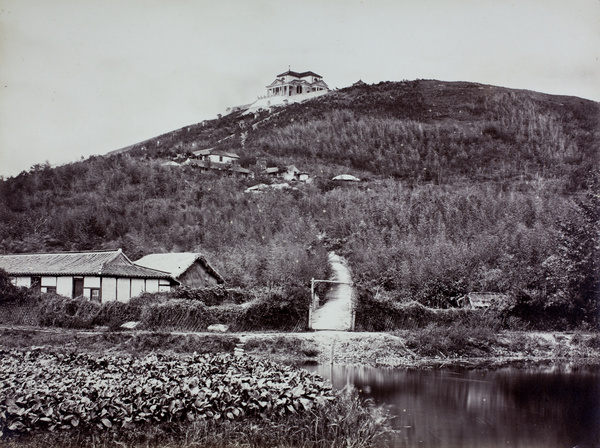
{"x":10,"y":293}
{"x":283,"y":310}
{"x":216,"y":295}
{"x":59,"y":311}
{"x":592,"y":342}
{"x":231,"y":315}
{"x":150,"y":297}
{"x":115,"y":314}
{"x":381,"y":312}
{"x":441,"y":292}
{"x":18,"y":306}
{"x":455,"y":339}
{"x":179,"y":314}
{"x":280,"y":310}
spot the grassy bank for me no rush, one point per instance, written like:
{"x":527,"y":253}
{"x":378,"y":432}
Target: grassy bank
{"x":140,"y":343}
{"x":431,"y":346}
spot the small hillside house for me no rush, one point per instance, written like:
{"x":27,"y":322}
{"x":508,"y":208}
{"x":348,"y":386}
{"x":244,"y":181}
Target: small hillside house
{"x":216,"y":156}
{"x":98,"y":275}
{"x":292,"y":83}
{"x":240,"y":172}
{"x":190,"y":269}
{"x":288,"y":173}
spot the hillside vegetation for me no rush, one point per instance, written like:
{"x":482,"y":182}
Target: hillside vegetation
{"x":466,"y":188}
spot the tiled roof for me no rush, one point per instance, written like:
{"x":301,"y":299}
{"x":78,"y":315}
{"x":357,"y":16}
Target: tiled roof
{"x":176,"y":263}
{"x":298,"y":74}
{"x":215,"y":152}
{"x":111,"y":263}
{"x":202,"y":152}
{"x":319,"y":83}
{"x":218,"y":152}
{"x":239,"y":169}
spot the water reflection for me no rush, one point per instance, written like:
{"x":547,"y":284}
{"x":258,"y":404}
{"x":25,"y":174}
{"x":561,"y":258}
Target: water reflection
{"x":542,"y":407}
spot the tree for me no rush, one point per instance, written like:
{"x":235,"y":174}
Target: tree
{"x":577,"y":270}
{"x":10,"y":293}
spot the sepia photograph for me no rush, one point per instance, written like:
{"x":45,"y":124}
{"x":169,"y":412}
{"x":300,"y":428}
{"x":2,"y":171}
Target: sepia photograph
{"x":314,"y":224}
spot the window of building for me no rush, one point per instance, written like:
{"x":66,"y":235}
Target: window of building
{"x":95,"y":294}
{"x":36,"y":284}
{"x":51,"y":289}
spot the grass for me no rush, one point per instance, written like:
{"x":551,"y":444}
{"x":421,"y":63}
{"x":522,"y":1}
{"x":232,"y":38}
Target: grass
{"x":283,"y":348}
{"x":451,"y":340}
{"x":475,"y":340}
{"x":133,"y":343}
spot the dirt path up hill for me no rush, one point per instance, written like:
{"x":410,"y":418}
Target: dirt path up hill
{"x":336,"y":313}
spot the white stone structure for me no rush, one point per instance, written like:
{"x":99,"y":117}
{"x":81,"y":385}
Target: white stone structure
{"x":292,"y":83}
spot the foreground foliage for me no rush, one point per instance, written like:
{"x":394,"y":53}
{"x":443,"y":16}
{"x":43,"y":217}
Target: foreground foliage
{"x":348,"y":421}
{"x":57,"y":391}
{"x":211,"y":400}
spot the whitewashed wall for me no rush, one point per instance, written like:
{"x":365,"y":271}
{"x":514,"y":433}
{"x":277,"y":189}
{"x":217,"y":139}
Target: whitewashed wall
{"x":123,"y":289}
{"x":22,"y":281}
{"x":64,"y":286}
{"x":138,"y":286}
{"x":111,"y":288}
{"x":152,"y":285}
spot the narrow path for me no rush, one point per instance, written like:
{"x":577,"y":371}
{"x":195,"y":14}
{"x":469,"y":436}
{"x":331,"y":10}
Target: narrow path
{"x":336,"y":314}
{"x":240,"y":346}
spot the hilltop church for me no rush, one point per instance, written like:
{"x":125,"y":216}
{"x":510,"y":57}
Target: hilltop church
{"x":293,"y":83}
{"x":288,"y":88}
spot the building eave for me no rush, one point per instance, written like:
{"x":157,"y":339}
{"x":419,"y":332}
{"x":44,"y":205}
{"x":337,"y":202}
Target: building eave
{"x":298,"y":74}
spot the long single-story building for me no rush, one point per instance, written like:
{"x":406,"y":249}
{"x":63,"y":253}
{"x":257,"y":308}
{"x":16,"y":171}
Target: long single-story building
{"x":189,"y":268}
{"x":98,"y":275}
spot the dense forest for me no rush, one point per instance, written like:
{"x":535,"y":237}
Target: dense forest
{"x":465,"y":188}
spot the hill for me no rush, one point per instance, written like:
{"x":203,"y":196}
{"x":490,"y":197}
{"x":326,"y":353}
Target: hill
{"x":469,"y":188}
{"x":420,"y":130}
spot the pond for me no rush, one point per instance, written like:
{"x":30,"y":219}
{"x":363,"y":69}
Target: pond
{"x":538,"y":407}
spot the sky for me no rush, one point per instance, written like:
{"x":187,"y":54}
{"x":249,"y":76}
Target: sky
{"x":85,"y":77}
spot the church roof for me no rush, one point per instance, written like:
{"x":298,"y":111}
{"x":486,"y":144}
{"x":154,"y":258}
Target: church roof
{"x":298,"y":74}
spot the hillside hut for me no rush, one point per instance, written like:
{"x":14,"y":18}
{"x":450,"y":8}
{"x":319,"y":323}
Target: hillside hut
{"x":98,"y":275}
{"x":216,"y":156}
{"x":190,"y":269}
{"x":238,"y":171}
{"x":481,"y":300}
